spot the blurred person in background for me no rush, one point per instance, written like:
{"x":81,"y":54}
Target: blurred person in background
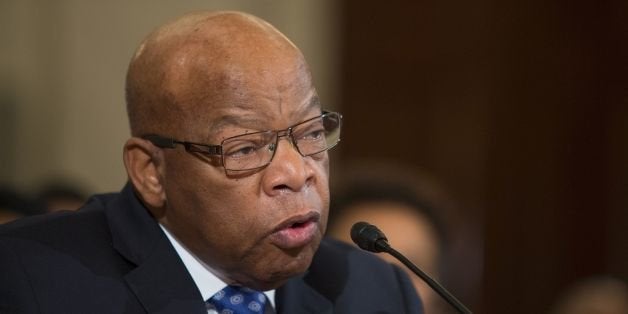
{"x":14,"y":205}
{"x":594,"y":295}
{"x":407,"y":206}
{"x":54,"y":196}
{"x":59,"y":195}
{"x":11,"y":205}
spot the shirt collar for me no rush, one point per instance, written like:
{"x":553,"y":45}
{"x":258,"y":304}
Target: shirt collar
{"x":206,"y":282}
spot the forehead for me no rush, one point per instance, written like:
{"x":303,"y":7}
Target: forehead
{"x":282,"y":117}
{"x":234,"y":71}
{"x":223,"y":92}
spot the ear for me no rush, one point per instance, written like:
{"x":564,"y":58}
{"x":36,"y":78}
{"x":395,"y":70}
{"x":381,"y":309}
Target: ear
{"x":144,"y":166}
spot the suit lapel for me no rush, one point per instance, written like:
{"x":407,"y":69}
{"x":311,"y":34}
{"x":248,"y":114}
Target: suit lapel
{"x":163,"y":285}
{"x":160,"y":281}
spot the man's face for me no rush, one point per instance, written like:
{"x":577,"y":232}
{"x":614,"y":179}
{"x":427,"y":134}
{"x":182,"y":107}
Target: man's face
{"x":255,"y":228}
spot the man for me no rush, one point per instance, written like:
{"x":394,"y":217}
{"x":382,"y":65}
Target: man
{"x":214,"y":198}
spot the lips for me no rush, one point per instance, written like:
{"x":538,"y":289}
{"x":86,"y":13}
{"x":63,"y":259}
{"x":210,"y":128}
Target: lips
{"x":296,"y":231}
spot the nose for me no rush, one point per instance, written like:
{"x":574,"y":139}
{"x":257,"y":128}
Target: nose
{"x":288,"y":171}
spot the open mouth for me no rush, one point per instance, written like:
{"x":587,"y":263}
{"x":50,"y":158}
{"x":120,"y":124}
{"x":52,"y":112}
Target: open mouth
{"x":299,"y":224}
{"x":296,"y":232}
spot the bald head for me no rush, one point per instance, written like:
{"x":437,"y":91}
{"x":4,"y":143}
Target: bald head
{"x":202,"y":59}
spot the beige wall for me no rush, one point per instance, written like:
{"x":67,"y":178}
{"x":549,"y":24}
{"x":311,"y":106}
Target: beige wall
{"x":62,"y":73}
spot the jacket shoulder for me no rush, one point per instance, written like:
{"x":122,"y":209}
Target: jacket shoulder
{"x":83,"y":235}
{"x":61,"y":260}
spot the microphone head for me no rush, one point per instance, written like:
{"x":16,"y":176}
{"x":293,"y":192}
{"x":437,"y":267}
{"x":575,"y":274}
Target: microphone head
{"x":368,"y":237}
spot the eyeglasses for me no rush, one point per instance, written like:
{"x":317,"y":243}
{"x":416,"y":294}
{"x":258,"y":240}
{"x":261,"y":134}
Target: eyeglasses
{"x":256,"y":150}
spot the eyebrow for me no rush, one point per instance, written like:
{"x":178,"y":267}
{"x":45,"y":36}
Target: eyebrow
{"x":233,"y":120}
{"x":315,"y":101}
{"x":253,"y":120}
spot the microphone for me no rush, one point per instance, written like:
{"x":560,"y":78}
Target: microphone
{"x":368,"y":237}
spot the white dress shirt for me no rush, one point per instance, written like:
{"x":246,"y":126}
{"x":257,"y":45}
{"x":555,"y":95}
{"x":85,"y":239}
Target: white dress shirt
{"x":206,"y":282}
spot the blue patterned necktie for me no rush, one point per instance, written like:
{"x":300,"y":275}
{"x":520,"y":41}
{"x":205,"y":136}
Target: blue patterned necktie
{"x":238,"y":300}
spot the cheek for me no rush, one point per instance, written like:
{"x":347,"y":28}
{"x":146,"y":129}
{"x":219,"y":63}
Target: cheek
{"x":222,"y":227}
{"x":206,"y":209}
{"x":322,"y":188}
{"x":223,"y":210}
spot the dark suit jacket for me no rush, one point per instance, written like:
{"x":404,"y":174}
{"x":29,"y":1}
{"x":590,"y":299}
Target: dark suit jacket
{"x":112,"y":257}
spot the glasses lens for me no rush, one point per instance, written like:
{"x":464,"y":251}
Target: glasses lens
{"x":317,"y":135}
{"x":255,"y":150}
{"x":248,"y":151}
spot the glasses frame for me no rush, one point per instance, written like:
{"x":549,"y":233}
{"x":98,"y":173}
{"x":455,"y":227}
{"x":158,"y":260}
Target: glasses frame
{"x":216,"y":150}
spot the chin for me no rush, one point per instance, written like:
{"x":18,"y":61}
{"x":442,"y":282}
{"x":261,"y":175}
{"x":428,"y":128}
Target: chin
{"x":292,"y":263}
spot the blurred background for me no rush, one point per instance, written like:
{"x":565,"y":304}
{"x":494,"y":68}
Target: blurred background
{"x":519,"y":109}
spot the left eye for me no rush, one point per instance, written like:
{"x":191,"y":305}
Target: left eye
{"x":314,"y":135}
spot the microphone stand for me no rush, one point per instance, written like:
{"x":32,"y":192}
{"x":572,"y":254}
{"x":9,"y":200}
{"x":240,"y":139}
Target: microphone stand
{"x":383,"y":246}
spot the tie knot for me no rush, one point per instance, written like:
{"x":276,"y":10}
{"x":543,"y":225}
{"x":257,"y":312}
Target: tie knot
{"x":238,"y":300}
